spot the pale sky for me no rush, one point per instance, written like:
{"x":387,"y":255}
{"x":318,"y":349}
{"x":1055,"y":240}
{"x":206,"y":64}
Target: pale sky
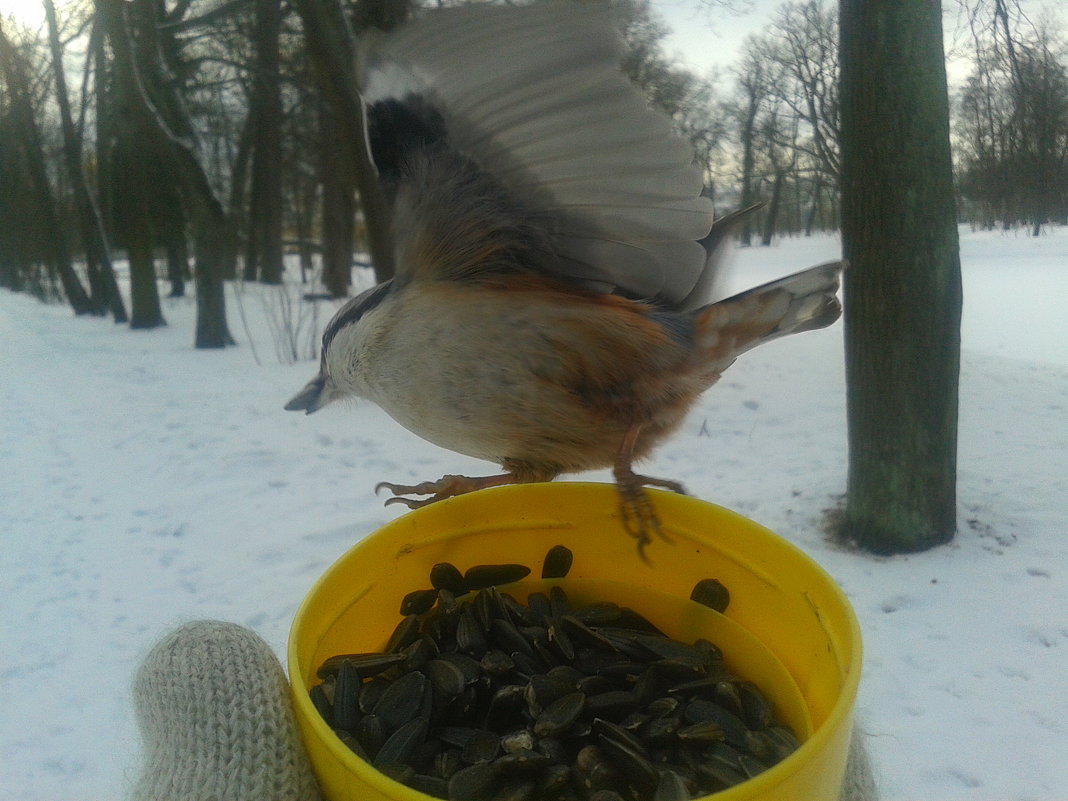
{"x":704,"y":34}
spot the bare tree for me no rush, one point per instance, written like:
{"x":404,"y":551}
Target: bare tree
{"x":330,"y":41}
{"x":1013,"y":122}
{"x":903,"y":287}
{"x":778,"y":134}
{"x":133,"y":159}
{"x":263,"y":254}
{"x":104,"y":287}
{"x":338,"y":182}
{"x":753,"y":91}
{"x":159,"y":112}
{"x":27,"y":139}
{"x":805,"y":45}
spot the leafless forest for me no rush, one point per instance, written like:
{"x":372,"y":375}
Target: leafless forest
{"x":207,"y":138}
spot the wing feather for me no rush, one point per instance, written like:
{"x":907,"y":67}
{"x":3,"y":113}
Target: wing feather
{"x":536,"y":98}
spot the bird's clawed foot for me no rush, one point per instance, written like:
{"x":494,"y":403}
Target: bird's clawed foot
{"x":444,"y":487}
{"x":636,"y":508}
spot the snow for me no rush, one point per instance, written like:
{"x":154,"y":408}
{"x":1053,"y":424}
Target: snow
{"x":143,"y":483}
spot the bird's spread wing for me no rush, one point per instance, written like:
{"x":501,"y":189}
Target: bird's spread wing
{"x":535,"y":97}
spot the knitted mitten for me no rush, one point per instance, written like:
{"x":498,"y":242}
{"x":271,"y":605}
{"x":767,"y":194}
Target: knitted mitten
{"x":213,"y":706}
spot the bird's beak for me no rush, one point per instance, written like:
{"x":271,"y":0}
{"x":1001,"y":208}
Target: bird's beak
{"x":310,"y":399}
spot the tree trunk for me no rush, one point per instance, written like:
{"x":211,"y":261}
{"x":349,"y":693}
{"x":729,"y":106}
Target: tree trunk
{"x":29,"y":142}
{"x":137,"y":230}
{"x":748,"y":167}
{"x":132,"y":160}
{"x":903,"y":289}
{"x":177,"y":255}
{"x":238,"y":191}
{"x":265,"y":224}
{"x":330,"y":43}
{"x":104,"y":287}
{"x":810,"y":220}
{"x":168,"y":128}
{"x":304,"y":196}
{"x":210,"y":232}
{"x":338,"y":205}
{"x":774,"y":205}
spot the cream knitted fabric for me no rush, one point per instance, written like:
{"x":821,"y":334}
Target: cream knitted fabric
{"x":212,"y":702}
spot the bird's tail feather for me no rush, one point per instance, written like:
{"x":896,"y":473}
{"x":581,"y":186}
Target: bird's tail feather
{"x":801,"y":302}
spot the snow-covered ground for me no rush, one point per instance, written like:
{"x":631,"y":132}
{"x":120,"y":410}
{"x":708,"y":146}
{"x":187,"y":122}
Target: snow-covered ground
{"x":143,"y":483}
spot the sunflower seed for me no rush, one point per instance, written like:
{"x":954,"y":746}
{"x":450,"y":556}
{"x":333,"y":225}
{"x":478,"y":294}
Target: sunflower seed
{"x":481,"y":747}
{"x":613,"y":704}
{"x":430,"y":785}
{"x":671,"y":787}
{"x":598,"y":614}
{"x":370,"y":733}
{"x":418,"y":602}
{"x":557,"y":562}
{"x":469,"y":636}
{"x":401,"y":700}
{"x":401,"y":745}
{"x":482,"y":576}
{"x":555,"y":778}
{"x":404,"y":634}
{"x":322,"y":704}
{"x":710,"y":593}
{"x":446,"y":678}
{"x":490,"y":699}
{"x":558,"y":716}
{"x":365,"y":665}
{"x":756,"y":709}
{"x":515,"y":741}
{"x":704,"y":732}
{"x":346,"y":698}
{"x":523,"y":761}
{"x":446,"y":576}
{"x":474,"y":782}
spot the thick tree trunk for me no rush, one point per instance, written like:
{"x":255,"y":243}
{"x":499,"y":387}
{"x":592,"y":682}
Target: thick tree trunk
{"x":104,"y":287}
{"x":167,"y":126}
{"x":903,"y":289}
{"x":137,"y":229}
{"x":748,"y":167}
{"x":338,"y":206}
{"x":134,"y":155}
{"x":210,"y":233}
{"x":177,"y":256}
{"x":774,"y":205}
{"x":29,"y":143}
{"x":238,"y":191}
{"x":330,"y":43}
{"x":813,"y":210}
{"x":305,"y":195}
{"x":264,"y":247}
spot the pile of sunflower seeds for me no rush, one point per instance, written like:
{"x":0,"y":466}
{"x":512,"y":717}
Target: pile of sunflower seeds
{"x":490,"y":699}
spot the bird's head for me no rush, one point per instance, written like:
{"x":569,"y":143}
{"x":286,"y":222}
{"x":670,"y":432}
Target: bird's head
{"x":340,"y":355}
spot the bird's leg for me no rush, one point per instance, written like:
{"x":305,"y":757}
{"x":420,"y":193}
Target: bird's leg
{"x":444,"y":487}
{"x":635,"y":507}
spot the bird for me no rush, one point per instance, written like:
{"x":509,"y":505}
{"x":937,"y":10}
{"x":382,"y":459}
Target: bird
{"x":555,"y":257}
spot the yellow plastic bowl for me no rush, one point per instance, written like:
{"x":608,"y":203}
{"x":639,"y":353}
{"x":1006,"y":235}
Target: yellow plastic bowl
{"x":788,"y":628}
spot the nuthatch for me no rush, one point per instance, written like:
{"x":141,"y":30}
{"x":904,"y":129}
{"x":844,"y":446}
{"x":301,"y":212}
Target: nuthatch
{"x":554,"y":257}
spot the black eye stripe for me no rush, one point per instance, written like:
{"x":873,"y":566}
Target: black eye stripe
{"x":354,"y":310}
